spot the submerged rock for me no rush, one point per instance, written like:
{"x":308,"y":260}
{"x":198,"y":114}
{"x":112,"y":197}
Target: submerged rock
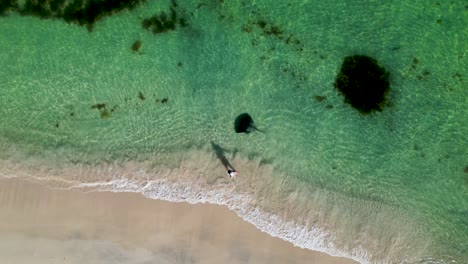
{"x":164,"y":23}
{"x":136,"y":46}
{"x":82,"y":12}
{"x":363,"y":83}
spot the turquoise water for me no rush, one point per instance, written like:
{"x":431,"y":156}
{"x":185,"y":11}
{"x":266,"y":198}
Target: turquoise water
{"x":411,"y":157}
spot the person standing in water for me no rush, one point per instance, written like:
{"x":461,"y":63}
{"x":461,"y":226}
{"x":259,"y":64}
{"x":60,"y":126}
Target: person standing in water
{"x":232,"y":173}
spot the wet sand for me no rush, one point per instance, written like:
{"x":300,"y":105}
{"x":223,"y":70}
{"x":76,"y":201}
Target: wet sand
{"x":42,"y":225}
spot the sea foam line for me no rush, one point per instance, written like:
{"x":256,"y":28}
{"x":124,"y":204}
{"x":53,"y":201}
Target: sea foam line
{"x":299,"y":235}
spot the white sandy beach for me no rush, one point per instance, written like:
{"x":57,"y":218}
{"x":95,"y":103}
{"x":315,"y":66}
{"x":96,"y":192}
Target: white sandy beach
{"x":42,"y":225}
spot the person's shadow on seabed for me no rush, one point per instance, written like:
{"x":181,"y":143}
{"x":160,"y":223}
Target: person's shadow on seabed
{"x":219,"y":151}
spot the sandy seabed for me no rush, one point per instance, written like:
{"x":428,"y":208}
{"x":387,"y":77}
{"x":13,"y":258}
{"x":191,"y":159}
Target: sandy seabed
{"x":43,"y":225}
{"x":271,"y":205}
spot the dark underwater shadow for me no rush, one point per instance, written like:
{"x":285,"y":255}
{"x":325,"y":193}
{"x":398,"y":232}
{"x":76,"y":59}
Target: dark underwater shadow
{"x":219,"y":151}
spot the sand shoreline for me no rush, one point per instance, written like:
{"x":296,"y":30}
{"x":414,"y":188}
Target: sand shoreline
{"x":50,"y":223}
{"x":280,"y":208}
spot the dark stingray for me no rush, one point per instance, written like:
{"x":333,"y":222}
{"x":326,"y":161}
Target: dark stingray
{"x":244,"y":124}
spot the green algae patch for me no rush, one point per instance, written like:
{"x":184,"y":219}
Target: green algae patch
{"x":363,"y":83}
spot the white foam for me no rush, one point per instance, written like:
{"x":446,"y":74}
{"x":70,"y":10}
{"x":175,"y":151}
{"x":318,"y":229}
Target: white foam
{"x":7,"y":176}
{"x":303,"y":236}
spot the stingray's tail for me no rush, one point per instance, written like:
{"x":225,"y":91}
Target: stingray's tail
{"x":259,"y":130}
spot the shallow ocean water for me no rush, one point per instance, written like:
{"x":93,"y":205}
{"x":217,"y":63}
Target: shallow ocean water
{"x":391,"y":186}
